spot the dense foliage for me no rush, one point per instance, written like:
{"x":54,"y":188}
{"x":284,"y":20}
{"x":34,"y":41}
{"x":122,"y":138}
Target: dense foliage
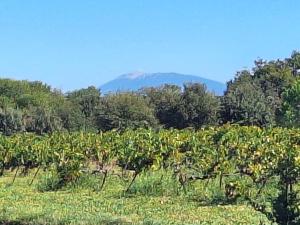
{"x":125,"y":110}
{"x":255,"y":97}
{"x":261,"y":155}
{"x":291,"y":104}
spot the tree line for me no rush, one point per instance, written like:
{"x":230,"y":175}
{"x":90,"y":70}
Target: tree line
{"x":266,"y":95}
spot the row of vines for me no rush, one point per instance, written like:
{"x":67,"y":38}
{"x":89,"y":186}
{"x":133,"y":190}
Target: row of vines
{"x":260,"y":155}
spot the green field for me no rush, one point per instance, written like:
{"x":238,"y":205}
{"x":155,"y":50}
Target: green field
{"x":149,"y":203}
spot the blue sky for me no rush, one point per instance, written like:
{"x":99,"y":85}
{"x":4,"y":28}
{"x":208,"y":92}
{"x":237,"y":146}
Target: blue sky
{"x":72,"y":44}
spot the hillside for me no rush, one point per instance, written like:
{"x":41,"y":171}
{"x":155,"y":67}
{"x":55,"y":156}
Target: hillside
{"x":135,"y":81}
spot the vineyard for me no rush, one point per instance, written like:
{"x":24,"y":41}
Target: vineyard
{"x":243,"y":161}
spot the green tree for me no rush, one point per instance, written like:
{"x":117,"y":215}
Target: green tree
{"x":266,"y":82}
{"x":291,"y":106}
{"x":125,"y":110}
{"x":245,"y":103}
{"x":88,"y":102}
{"x":10,"y":121}
{"x":294,"y":62}
{"x":273,"y":77}
{"x":167,"y":103}
{"x":36,"y":102}
{"x":199,"y":107}
{"x":41,"y":120}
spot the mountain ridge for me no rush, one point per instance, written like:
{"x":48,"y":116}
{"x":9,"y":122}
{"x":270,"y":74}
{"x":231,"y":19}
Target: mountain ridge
{"x":136,"y":80}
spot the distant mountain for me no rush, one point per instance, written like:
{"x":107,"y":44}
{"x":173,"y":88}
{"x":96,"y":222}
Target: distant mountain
{"x":137,"y":80}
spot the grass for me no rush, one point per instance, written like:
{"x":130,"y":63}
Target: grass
{"x":81,"y":204}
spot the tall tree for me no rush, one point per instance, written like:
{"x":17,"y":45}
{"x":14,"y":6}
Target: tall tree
{"x":167,"y":103}
{"x":245,"y":103}
{"x":88,"y":101}
{"x":125,"y":110}
{"x":256,"y":97}
{"x":274,"y":77}
{"x":200,"y":107}
{"x":291,"y":106}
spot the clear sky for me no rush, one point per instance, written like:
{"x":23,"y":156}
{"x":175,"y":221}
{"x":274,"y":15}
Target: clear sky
{"x":71,"y":44}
